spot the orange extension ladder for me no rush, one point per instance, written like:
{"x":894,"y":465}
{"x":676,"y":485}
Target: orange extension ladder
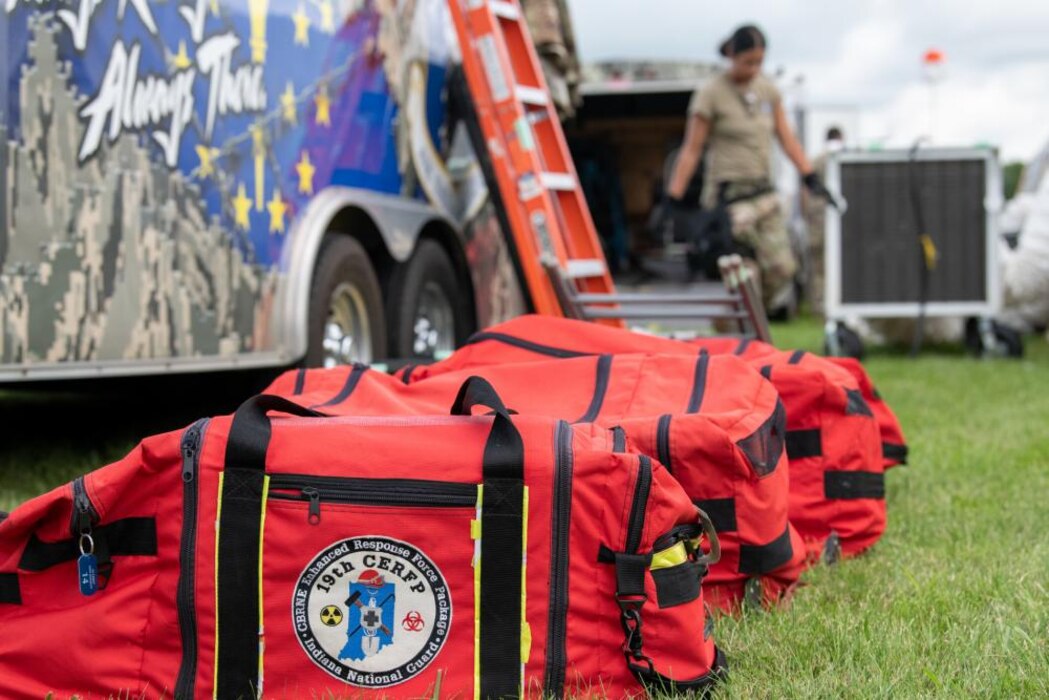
{"x":537,"y":180}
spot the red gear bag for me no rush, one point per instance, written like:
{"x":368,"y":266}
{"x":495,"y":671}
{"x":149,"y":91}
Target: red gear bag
{"x":299,"y":556}
{"x":714,"y":422}
{"x":833,"y":443}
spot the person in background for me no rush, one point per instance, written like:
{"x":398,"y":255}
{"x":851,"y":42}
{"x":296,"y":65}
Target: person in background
{"x":736,"y":115}
{"x":815,"y":209}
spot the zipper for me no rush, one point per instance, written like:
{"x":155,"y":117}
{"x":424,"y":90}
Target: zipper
{"x":663,"y":442}
{"x":185,"y":602}
{"x":370,"y":492}
{"x":604,"y":367}
{"x":699,"y":382}
{"x":84,"y":515}
{"x":639,"y":507}
{"x":561,"y":517}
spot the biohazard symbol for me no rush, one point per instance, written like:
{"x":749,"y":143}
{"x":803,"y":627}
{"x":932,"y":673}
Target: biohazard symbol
{"x":331,"y":615}
{"x":413,"y":621}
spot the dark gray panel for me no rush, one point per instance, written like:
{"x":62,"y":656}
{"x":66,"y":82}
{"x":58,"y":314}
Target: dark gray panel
{"x":880,"y":255}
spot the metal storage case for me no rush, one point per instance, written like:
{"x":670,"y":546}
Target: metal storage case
{"x":873,"y":265}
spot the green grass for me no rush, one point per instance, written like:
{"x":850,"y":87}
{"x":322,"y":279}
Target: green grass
{"x":953,"y":602}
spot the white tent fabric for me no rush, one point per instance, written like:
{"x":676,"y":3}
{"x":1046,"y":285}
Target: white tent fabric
{"x":1026,"y":269}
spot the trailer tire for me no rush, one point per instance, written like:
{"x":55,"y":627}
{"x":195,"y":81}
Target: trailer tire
{"x":428,"y":307}
{"x":346,"y":320}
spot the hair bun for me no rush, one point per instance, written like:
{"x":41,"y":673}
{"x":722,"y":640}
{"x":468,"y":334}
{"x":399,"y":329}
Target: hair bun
{"x":745,"y":38}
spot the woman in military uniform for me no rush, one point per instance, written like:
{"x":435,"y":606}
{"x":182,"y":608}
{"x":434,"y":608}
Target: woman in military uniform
{"x":735,"y":116}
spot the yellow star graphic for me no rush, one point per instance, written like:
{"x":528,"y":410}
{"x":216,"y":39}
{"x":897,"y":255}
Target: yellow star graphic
{"x":305,"y":169}
{"x":242,"y":209}
{"x":302,"y":26}
{"x":327,"y":17}
{"x":277,"y":207}
{"x":180,"y":61}
{"x":287,"y":103}
{"x":323,"y":104}
{"x":207,"y":156}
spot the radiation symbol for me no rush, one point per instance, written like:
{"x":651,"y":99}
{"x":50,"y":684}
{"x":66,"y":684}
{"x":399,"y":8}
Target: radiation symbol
{"x":331,"y":615}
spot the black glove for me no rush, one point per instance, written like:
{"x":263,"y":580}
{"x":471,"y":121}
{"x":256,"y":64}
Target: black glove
{"x":816,"y":187}
{"x":663,"y":214}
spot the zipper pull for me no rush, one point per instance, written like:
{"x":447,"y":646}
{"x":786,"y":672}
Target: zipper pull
{"x":189,"y":452}
{"x":315,"y":504}
{"x":82,"y":507}
{"x":190,"y":446}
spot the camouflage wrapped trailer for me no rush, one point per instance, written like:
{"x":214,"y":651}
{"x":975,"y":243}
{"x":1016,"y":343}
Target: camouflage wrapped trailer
{"x":195,"y":185}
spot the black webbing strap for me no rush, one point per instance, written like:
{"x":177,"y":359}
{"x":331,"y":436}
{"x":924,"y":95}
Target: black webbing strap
{"x":742,"y":347}
{"x":529,"y":345}
{"x":603,"y":367}
{"x":631,"y":596}
{"x":300,"y":381}
{"x":804,"y":443}
{"x":766,"y":372}
{"x":237,"y":643}
{"x":10,"y":592}
{"x":127,"y":536}
{"x":856,"y":405}
{"x":795,"y":357}
{"x":722,"y":512}
{"x":352,"y":380}
{"x":849,"y":485}
{"x":699,"y":382}
{"x":763,"y":558}
{"x":502,"y":543}
{"x":700,"y":687}
{"x":894,"y":451}
{"x":406,"y":374}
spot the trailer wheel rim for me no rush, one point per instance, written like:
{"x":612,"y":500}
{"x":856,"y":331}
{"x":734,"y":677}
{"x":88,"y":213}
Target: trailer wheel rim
{"x":347,"y":332}
{"x":433,"y":331}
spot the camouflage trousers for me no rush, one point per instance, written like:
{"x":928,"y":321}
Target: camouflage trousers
{"x":758,"y":223}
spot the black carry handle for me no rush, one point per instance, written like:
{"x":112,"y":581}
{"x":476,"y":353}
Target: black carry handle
{"x":477,"y":391}
{"x":239,"y":537}
{"x":249,"y":436}
{"x":502,"y":542}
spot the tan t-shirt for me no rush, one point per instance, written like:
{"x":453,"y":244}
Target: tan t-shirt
{"x":742,"y":120}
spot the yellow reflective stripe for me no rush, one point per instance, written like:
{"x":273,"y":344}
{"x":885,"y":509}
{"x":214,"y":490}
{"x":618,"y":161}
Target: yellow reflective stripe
{"x":218,"y":519}
{"x":475,"y":532}
{"x":262,"y":532}
{"x":672,"y":556}
{"x":526,"y":630}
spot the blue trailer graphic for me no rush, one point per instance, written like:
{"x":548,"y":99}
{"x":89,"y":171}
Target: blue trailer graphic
{"x":205,"y":184}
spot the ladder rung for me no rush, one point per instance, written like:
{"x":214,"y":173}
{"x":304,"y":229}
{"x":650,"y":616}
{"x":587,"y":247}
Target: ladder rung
{"x":583,"y":268}
{"x":558,"y":181}
{"x":532,"y":96}
{"x":504,"y":9}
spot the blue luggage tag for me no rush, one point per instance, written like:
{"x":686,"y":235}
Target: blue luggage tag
{"x":87,"y":566}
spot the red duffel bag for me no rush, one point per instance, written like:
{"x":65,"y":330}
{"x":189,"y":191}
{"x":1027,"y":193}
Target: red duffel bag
{"x":714,"y":422}
{"x":299,"y":557}
{"x":833,"y":443}
{"x":893,"y":444}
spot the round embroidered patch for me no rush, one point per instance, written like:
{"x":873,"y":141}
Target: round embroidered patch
{"x":372,"y":611}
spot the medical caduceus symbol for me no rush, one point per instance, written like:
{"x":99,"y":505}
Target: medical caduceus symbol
{"x":413,"y":621}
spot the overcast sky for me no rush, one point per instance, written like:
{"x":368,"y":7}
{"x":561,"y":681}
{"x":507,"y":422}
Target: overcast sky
{"x":866,"y":54}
